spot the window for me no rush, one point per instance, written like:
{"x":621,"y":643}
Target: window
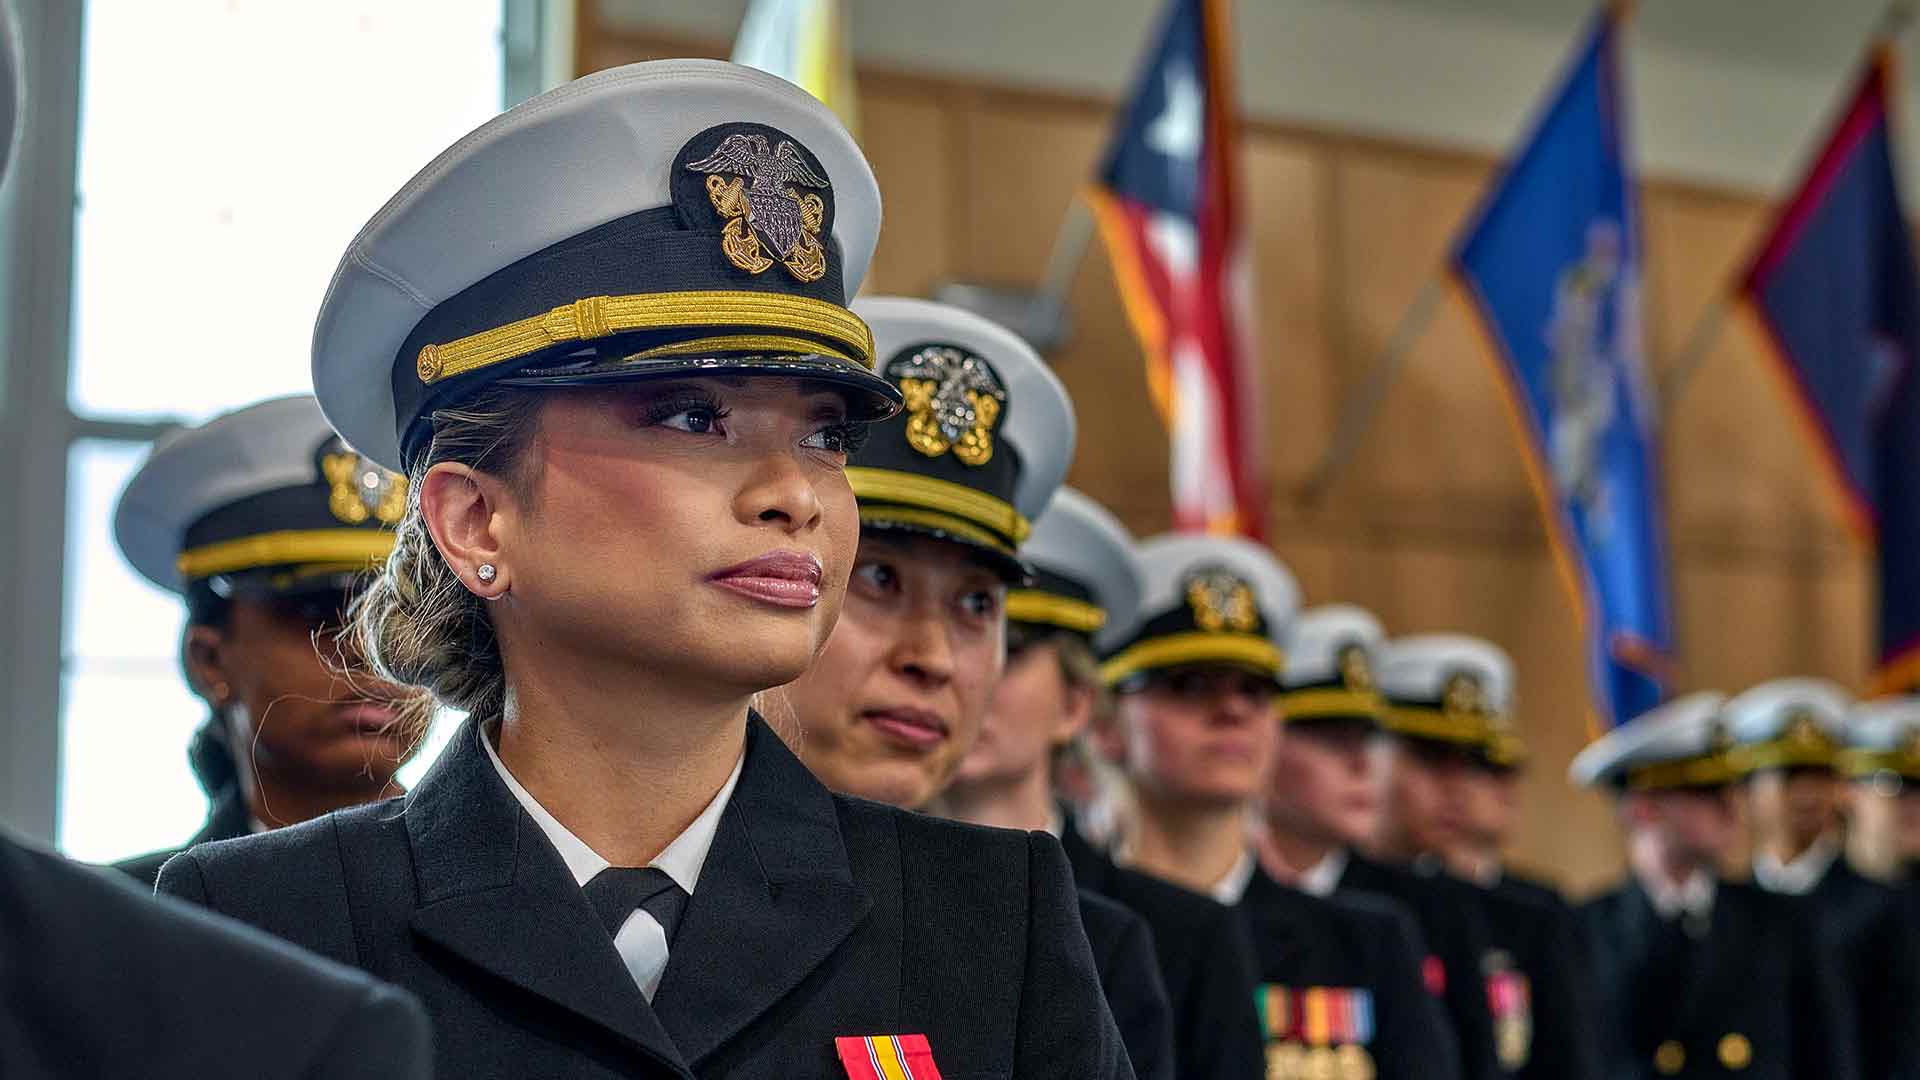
{"x":229,"y":150}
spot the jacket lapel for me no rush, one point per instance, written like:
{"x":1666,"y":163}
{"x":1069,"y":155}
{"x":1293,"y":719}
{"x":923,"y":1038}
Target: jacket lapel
{"x":494,"y":892}
{"x":775,"y":898}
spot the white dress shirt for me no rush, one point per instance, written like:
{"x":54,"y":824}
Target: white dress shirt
{"x":641,"y":942}
{"x":1796,"y":878}
{"x":1324,"y":876}
{"x":1229,"y":889}
{"x":1692,"y":898}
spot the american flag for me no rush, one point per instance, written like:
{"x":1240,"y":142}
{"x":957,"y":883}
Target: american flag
{"x":1167,"y":200}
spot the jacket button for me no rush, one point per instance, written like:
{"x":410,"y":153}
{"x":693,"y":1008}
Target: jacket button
{"x":1736,"y":1052}
{"x":1669,"y":1058}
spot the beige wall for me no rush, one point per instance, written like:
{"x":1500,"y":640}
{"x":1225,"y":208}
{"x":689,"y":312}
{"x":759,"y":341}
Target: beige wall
{"x":1431,"y":525}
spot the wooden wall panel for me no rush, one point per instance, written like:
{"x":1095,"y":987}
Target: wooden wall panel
{"x":1432,"y":524}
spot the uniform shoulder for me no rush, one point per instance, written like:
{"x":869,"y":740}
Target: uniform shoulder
{"x":145,"y":869}
{"x":923,"y":838}
{"x":1159,"y":899}
{"x":162,"y":960}
{"x":297,"y":845}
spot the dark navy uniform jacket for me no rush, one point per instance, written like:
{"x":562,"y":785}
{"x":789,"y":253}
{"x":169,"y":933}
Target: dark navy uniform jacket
{"x":816,"y":916}
{"x":1203,"y":960}
{"x":1449,"y":916}
{"x":1123,"y":954}
{"x":227,"y":817}
{"x":1876,"y":949}
{"x":98,"y":979}
{"x":1361,"y":942}
{"x":1750,"y":994}
{"x":1533,"y":936}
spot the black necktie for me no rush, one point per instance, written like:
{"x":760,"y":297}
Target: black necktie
{"x":618,"y":891}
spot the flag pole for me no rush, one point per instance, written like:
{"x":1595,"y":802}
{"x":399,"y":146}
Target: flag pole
{"x":1359,"y":412}
{"x":1705,"y":333}
{"x":1699,"y":344}
{"x":1063,"y":262}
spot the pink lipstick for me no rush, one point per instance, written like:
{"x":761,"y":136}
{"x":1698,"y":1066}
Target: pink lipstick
{"x":789,"y":579}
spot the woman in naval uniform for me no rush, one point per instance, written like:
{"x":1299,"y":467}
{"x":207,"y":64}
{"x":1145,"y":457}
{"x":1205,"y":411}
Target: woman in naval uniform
{"x":606,"y":337}
{"x":947,"y":490}
{"x":264,"y":523}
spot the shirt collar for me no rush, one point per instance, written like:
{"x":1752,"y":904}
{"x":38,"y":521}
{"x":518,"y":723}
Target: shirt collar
{"x":1230,"y":888}
{"x":1693,"y":897}
{"x":1324,"y":876}
{"x":1056,"y":822}
{"x":1799,"y":877}
{"x":681,"y":859}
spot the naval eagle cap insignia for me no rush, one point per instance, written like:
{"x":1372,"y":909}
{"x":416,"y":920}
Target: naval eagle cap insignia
{"x":1355,"y":669}
{"x":771,"y":194}
{"x":1221,"y":600}
{"x":358,"y":489}
{"x":954,"y":401}
{"x":1463,"y":695}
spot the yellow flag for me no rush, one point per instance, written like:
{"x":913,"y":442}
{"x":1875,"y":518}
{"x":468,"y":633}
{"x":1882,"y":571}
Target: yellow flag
{"x":805,"y":43}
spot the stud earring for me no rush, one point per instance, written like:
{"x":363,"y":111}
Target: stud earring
{"x":486,"y":573}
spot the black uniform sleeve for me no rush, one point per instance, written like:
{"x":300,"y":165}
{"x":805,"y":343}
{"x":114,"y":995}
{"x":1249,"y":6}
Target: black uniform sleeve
{"x":1416,"y":1037}
{"x":1228,"y":1043}
{"x":1823,"y":1041}
{"x":1462,"y":949}
{"x":385,"y":1037}
{"x":1137,"y":996}
{"x":1564,"y":1047}
{"x":181,"y":879}
{"x":1065,"y":1028}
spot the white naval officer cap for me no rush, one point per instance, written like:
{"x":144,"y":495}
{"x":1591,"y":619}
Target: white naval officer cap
{"x":1883,"y":739}
{"x":1206,"y":600}
{"x":1086,"y":578}
{"x":1788,"y":723}
{"x":1330,"y":656}
{"x":984,"y":439}
{"x":669,"y":217}
{"x":1681,"y":744}
{"x":1453,"y":689}
{"x":265,"y":496}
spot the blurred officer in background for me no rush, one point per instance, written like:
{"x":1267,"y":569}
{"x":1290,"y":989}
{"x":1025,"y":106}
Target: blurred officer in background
{"x":1320,"y":797}
{"x":265,"y":522}
{"x":1882,"y":763}
{"x":1788,"y":736}
{"x":1450,"y":723}
{"x":1085,"y":580}
{"x":1692,"y":975}
{"x":98,"y":979}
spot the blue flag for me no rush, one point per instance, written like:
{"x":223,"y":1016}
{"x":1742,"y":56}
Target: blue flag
{"x":1552,"y":266}
{"x":1835,"y":290}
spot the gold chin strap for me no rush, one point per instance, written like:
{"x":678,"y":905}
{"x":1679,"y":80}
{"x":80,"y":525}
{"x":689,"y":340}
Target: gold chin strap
{"x":361,"y":547}
{"x":1193,"y":647}
{"x":1707,"y":771}
{"x":601,"y":316}
{"x":930,"y":519}
{"x":1324,"y":701}
{"x":1439,"y":725}
{"x":925,"y":493}
{"x":1050,"y":609}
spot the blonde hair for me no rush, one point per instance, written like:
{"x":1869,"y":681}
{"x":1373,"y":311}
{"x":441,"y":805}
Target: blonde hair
{"x":415,"y":623}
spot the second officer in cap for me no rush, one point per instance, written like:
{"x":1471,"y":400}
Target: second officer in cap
{"x":1450,"y":722}
{"x":266,"y":523}
{"x":606,"y":336}
{"x":948,"y":490}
